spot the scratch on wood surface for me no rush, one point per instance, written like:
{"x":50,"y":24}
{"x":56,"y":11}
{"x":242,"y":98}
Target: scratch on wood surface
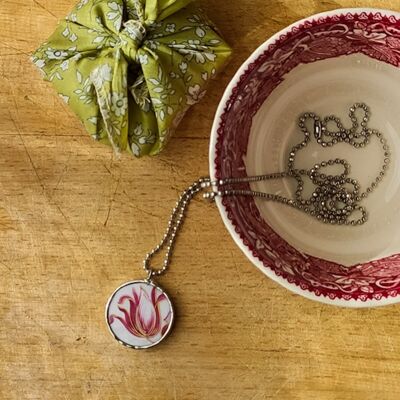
{"x":69,"y":223}
{"x":38,"y":325}
{"x":5,"y":266}
{"x":17,"y":127}
{"x":19,"y":51}
{"x":283,"y":385}
{"x":31,"y":162}
{"x":44,"y":8}
{"x":136,"y":207}
{"x":109,"y":171}
{"x":65,"y":169}
{"x":172,"y":166}
{"x":49,"y":199}
{"x":112,"y":201}
{"x":253,"y":397}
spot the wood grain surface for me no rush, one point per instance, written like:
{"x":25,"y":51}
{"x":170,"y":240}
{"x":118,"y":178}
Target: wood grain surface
{"x":75,"y":223}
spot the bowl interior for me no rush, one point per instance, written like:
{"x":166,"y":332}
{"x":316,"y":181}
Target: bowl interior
{"x":322,"y":65}
{"x":325,"y":87}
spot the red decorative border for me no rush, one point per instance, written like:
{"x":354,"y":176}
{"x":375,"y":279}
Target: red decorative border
{"x":372,"y":34}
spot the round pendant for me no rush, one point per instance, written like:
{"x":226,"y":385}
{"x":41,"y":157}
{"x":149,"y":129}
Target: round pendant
{"x":139,"y":314}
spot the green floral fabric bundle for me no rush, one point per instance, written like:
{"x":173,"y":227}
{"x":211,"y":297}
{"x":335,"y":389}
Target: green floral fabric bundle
{"x":130,"y":69}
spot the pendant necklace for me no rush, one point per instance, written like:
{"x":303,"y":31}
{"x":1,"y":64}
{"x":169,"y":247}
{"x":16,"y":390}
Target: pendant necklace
{"x":140,"y":314}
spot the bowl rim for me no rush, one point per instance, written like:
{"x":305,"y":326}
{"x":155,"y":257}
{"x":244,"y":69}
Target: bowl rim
{"x":352,"y":303}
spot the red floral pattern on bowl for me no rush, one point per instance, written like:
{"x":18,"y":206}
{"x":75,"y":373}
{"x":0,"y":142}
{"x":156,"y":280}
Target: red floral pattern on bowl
{"x":374,"y":33}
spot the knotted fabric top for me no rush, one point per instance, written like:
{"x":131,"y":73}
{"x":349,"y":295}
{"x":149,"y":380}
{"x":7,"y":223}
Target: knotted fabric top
{"x":130,"y":69}
{"x":131,"y":38}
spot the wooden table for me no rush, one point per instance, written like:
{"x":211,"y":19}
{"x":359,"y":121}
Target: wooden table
{"x":75,"y":222}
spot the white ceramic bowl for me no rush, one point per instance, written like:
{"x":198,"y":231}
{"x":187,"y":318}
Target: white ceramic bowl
{"x":321,"y":64}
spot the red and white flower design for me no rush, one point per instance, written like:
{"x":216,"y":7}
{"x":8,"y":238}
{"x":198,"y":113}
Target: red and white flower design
{"x":139,"y":314}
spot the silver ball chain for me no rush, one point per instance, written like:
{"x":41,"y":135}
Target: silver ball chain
{"x":330,"y":202}
{"x":174,"y":225}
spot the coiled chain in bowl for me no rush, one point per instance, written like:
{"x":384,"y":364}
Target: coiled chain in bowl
{"x":335,"y":198}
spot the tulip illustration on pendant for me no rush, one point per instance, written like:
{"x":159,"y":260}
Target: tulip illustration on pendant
{"x":139,"y":314}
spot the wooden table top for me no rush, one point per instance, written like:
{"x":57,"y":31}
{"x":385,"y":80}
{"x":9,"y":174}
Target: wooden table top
{"x":75,"y":223}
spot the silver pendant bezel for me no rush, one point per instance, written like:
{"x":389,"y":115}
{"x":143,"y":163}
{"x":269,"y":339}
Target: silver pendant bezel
{"x":168,"y":331}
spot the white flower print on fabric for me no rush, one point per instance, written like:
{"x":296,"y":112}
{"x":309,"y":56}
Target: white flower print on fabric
{"x":76,"y":57}
{"x":153,"y":25}
{"x":200,"y":32}
{"x":72,"y":17}
{"x":119,"y":104}
{"x":201,"y":58}
{"x":65,"y":98}
{"x":140,"y":135}
{"x":202,"y":25}
{"x":135,"y":30}
{"x":140,"y":93}
{"x":115,"y":15}
{"x":138,"y":130}
{"x":153,"y":44}
{"x":101,"y":74}
{"x":170,"y":28}
{"x":112,"y":127}
{"x":54,"y":54}
{"x":65,"y":65}
{"x":40,"y":63}
{"x":195,"y":94}
{"x":104,"y":102}
{"x":85,"y":92}
{"x":81,"y":4}
{"x":183,"y":67}
{"x":193,"y":49}
{"x":143,"y":59}
{"x":173,"y":70}
{"x":135,"y":149}
{"x":72,"y":37}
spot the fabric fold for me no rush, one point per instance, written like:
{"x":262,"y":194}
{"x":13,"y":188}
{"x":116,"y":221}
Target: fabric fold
{"x":130,"y":69}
